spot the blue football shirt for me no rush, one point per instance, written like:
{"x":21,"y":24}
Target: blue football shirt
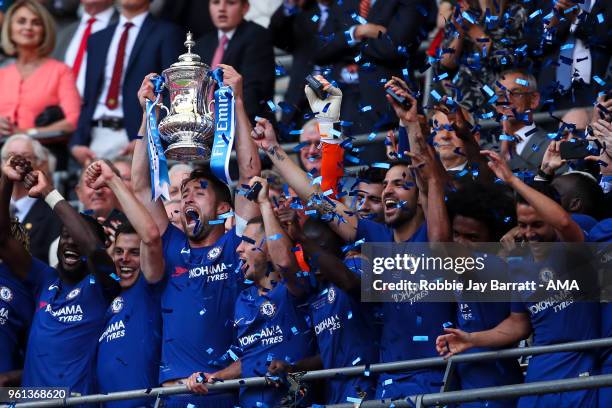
{"x":346,"y":336}
{"x":64,"y":336}
{"x":269,"y":326}
{"x":200,"y":291}
{"x":558,"y":319}
{"x":130,"y":345}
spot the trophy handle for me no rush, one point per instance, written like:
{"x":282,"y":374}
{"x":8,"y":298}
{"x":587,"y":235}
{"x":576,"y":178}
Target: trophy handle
{"x":164,"y":108}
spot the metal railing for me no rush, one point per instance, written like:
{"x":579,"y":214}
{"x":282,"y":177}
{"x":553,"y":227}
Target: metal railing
{"x":425,"y":400}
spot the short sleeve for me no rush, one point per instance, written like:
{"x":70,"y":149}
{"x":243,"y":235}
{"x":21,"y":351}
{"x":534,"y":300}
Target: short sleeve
{"x":373,"y":231}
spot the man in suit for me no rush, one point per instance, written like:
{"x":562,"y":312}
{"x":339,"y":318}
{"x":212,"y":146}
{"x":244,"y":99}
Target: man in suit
{"x":192,"y":15}
{"x":576,"y":52}
{"x":71,"y":45}
{"x":385,"y":35}
{"x":517,"y":99}
{"x":119,"y":57}
{"x":302,"y":28}
{"x":41,"y":224}
{"x":247,"y":47}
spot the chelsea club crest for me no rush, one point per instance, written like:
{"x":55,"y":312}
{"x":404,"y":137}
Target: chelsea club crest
{"x":267,"y":309}
{"x":6,"y":294}
{"x":214,"y":253}
{"x":331,"y":295}
{"x":117,"y":304}
{"x":73,"y":293}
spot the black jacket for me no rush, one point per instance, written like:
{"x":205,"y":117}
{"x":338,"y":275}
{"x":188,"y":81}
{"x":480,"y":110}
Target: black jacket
{"x":251,"y":53}
{"x":43,"y":227}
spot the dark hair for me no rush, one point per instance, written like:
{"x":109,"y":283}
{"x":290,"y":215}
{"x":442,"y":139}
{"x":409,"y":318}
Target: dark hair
{"x":222,"y":192}
{"x":124,"y":228}
{"x":543,"y":188}
{"x":584,"y":188}
{"x":326,"y":236}
{"x":256,"y":220}
{"x":373,"y":175}
{"x":492,"y":205}
{"x":96,"y":226}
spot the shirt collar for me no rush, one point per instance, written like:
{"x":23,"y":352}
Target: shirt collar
{"x":524,"y":134}
{"x":103,"y":16}
{"x":459,"y":167}
{"x":23,"y":206}
{"x":138,"y":21}
{"x":228,"y":34}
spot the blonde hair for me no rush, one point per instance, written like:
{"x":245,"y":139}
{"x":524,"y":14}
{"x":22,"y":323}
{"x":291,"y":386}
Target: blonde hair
{"x":48,"y":42}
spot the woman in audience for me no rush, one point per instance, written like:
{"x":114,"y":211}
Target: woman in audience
{"x":38,"y":93}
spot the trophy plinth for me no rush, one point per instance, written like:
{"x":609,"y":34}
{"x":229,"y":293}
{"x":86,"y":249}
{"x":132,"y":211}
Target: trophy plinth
{"x":188,"y":127}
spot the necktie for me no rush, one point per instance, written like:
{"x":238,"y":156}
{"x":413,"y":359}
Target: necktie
{"x":364,"y":8}
{"x":218,"y":57}
{"x":112,"y":99}
{"x":82,"y":47}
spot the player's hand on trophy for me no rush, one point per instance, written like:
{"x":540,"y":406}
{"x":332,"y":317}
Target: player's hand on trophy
{"x":327,"y":109}
{"x":233,"y":79}
{"x":146,"y":90}
{"x":263,"y":134}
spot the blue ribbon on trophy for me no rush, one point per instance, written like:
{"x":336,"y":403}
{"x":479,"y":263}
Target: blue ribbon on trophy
{"x":160,"y":181}
{"x":225,"y":129}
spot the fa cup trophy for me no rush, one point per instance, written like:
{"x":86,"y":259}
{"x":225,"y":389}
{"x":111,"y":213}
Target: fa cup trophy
{"x":188,"y":126}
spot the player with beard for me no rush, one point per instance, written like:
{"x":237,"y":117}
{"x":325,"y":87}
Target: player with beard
{"x":136,"y":311}
{"x":267,"y":320}
{"x":404,"y":216}
{"x":20,"y":274}
{"x":70,"y":310}
{"x":201,"y":278}
{"x":557,"y":319}
{"x":369,"y":194}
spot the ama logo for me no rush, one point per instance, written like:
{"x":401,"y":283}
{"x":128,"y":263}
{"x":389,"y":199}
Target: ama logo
{"x":178,"y":271}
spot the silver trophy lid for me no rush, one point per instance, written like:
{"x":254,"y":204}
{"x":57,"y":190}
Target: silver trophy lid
{"x":189,"y":59}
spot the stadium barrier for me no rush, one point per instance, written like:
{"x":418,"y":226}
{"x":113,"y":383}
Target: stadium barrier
{"x":442,"y":398}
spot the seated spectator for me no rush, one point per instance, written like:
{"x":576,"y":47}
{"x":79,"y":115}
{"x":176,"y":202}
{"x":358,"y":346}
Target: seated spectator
{"x":119,"y":56}
{"x":101,"y":202}
{"x":244,"y":45}
{"x":517,"y":99}
{"x":476,"y":49}
{"x":123,"y":164}
{"x":41,"y":224}
{"x":310,"y":152}
{"x":38,"y":93}
{"x":72,"y":39}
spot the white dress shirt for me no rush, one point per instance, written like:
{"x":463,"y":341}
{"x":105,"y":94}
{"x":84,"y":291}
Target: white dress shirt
{"x":102,"y":20}
{"x":228,"y":34}
{"x":524,"y":135}
{"x":102,"y":111}
{"x":23,"y":206}
{"x":582,"y":55}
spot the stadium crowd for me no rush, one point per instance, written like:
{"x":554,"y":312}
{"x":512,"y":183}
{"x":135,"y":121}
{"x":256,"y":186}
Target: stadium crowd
{"x":104,"y":289}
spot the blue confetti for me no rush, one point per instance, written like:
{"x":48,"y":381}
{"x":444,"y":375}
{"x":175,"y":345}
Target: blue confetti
{"x":522,"y":81}
{"x":275,"y":237}
{"x":214,"y":222}
{"x":357,"y":360}
{"x":366,"y":108}
{"x":535,"y":14}
{"x":209,"y":351}
{"x":350,"y":314}
{"x":272,"y":106}
{"x":600,"y":81}
{"x":600,"y":18}
{"x":381,"y":165}
{"x":354,"y":400}
{"x":420,"y":338}
{"x":315,"y":18}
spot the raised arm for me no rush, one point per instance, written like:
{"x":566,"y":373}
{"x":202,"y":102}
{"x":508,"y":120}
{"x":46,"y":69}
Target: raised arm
{"x":297,"y":178}
{"x":551,"y":212}
{"x":141,"y":179}
{"x":100,"y":174}
{"x":247,"y":155}
{"x":278,"y":243}
{"x":12,"y":252}
{"x":514,"y":328}
{"x":85,"y":238}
